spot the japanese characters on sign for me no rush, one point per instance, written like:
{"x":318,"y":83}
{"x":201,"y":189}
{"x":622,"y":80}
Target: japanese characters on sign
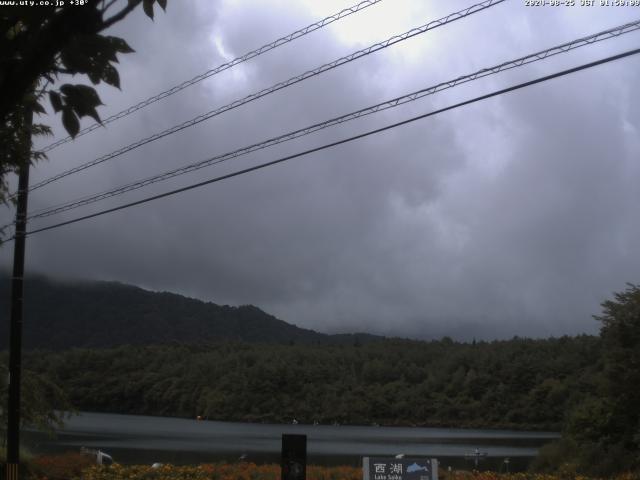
{"x":406,"y":468}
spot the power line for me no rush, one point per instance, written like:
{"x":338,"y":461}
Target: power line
{"x":278,"y":86}
{"x":534,"y":57}
{"x":340,"y":142}
{"x":220,"y":68}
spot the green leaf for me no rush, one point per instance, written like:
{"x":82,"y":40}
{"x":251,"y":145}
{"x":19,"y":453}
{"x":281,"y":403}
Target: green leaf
{"x":110,"y":75}
{"x":147,"y":6}
{"x":70,"y":122}
{"x":163,"y":4}
{"x":95,"y":46}
{"x":94,"y":77}
{"x":37,"y":108}
{"x":120,"y":45}
{"x":77,"y":94}
{"x":91,"y":112}
{"x":56,"y":101}
{"x":40,"y":129}
{"x":76,"y":60}
{"x":82,"y":99}
{"x":67,"y":89}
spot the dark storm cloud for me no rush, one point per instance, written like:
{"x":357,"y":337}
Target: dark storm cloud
{"x":513,"y":216}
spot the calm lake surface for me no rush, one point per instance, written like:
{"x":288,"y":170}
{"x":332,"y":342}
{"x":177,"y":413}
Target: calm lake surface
{"x":141,"y":439}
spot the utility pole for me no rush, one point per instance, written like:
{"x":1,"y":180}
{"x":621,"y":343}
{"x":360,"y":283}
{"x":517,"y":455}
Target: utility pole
{"x":17,"y":280}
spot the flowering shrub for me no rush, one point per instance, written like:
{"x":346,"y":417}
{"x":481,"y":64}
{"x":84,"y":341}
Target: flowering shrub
{"x":222,"y":471}
{"x":458,"y":475}
{"x":60,"y":467}
{"x":75,"y":467}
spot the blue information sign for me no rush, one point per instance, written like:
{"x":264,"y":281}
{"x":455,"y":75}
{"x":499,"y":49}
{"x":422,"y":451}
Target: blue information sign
{"x":406,"y":468}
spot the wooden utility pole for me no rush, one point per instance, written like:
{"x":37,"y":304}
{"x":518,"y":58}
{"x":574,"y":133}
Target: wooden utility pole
{"x":17,"y":279}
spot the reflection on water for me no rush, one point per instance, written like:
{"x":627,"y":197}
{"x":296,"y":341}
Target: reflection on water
{"x":141,"y":439}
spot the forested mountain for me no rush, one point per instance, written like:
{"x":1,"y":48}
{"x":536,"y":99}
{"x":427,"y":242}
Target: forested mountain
{"x":518,"y":383}
{"x":177,"y":356}
{"x":61,"y":315}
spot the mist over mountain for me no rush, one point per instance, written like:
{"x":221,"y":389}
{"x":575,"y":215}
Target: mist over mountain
{"x":61,"y":314}
{"x":66,"y":314}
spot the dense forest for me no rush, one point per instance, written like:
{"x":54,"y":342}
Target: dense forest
{"x":241,"y":364}
{"x":518,"y":383}
{"x":66,"y":314}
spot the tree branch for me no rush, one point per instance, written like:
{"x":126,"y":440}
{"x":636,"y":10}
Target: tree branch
{"x":121,"y":14}
{"x":108,"y":6}
{"x":57,"y":31}
{"x":43,"y":89}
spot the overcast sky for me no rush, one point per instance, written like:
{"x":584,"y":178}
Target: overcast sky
{"x":514,"y":216}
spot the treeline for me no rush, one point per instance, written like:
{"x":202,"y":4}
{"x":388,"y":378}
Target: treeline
{"x":519,"y":383}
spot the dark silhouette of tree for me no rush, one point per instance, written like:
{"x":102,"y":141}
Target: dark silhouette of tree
{"x":602,"y":433}
{"x":620,"y":334}
{"x":38,"y":44}
{"x":43,"y":403}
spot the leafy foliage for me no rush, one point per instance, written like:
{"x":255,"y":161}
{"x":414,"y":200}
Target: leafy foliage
{"x":559,"y":474}
{"x":37,"y":45}
{"x":620,"y":334}
{"x":251,"y":471}
{"x":517,"y":383}
{"x":220,"y":471}
{"x":43,"y":403}
{"x":602,"y":432}
{"x":26,"y":456}
{"x":60,"y":467}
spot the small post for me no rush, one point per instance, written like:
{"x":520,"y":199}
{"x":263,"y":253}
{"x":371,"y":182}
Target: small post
{"x":294,"y":457}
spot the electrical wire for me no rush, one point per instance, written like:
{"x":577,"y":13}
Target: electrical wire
{"x":220,"y":68}
{"x":278,"y":86}
{"x":525,"y":60}
{"x":340,"y":142}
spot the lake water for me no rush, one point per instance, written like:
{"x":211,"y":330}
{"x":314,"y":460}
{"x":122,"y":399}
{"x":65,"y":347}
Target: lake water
{"x":142,"y":439}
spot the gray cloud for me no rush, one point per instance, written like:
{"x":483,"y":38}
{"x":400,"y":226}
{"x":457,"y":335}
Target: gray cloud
{"x":512,"y":216}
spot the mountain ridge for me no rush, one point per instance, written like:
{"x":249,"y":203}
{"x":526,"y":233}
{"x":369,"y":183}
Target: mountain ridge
{"x":62,"y":314}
